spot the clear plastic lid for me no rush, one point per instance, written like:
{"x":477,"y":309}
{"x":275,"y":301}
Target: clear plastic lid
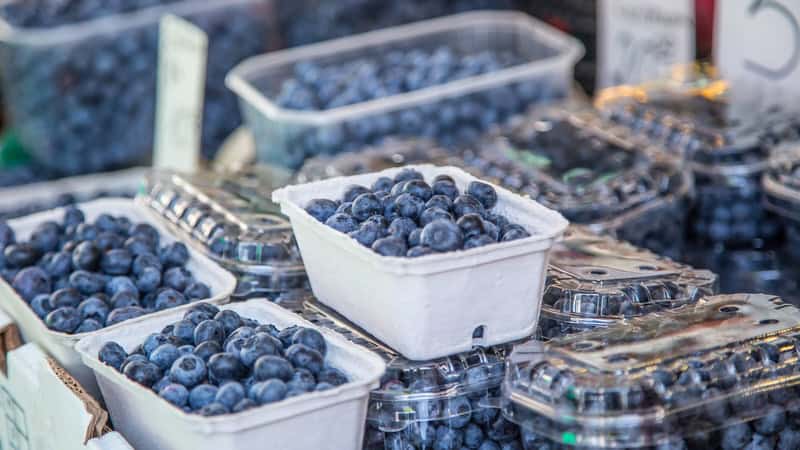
{"x":416,"y":391}
{"x":257,"y":245}
{"x":697,"y":115}
{"x":565,"y":160}
{"x":782,"y":183}
{"x":728,"y":359}
{"x":393,"y":152}
{"x":595,"y":281}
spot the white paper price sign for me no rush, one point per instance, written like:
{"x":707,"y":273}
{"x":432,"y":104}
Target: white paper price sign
{"x":640,"y":40}
{"x":757,"y":48}
{"x":183,"y":51}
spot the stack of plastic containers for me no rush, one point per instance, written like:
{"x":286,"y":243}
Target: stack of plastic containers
{"x":309,"y":21}
{"x":782,"y":194}
{"x":209,"y":211}
{"x":79,"y":80}
{"x":569,"y":159}
{"x":423,"y":405}
{"x":448,"y":78}
{"x":594,"y":282}
{"x":722,"y":374}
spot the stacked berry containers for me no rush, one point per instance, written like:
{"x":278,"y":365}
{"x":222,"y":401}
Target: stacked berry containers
{"x":439,"y":404}
{"x":594,"y":281}
{"x":79,"y":78}
{"x":309,"y":21}
{"x":696,"y":117}
{"x":447,"y":78}
{"x":208,"y":210}
{"x":722,"y":374}
{"x":569,"y":159}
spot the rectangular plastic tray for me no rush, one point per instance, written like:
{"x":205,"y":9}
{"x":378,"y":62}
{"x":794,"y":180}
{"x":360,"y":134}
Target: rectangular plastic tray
{"x":211,"y":212}
{"x":332,"y":419}
{"x":287,"y":137}
{"x":60,"y":345}
{"x":719,"y":372}
{"x":82,"y":95}
{"x":428,"y":307}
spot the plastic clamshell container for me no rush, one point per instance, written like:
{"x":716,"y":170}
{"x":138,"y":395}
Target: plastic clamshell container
{"x":570,"y":159}
{"x":61,"y":345}
{"x":782,"y":194}
{"x":330,"y":419}
{"x":287,"y":137}
{"x":595,"y":281}
{"x":82,"y":97}
{"x":662,"y":378}
{"x":428,"y":307}
{"x":209,"y":212}
{"x":417,"y":398}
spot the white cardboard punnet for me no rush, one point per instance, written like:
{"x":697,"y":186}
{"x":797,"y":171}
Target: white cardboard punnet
{"x":332,"y":419}
{"x":60,"y":345}
{"x":428,"y":307}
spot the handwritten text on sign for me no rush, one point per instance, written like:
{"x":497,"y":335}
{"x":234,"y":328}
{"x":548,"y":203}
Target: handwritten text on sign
{"x":183,"y":52}
{"x":640,"y":40}
{"x":757,"y":48}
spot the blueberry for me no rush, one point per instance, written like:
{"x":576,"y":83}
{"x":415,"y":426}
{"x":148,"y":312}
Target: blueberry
{"x":439,"y":201}
{"x":207,"y":349}
{"x":365,"y":206}
{"x":736,"y":436}
{"x":229,"y":319}
{"x":390,"y":246}
{"x":788,"y":439}
{"x":177,"y":278}
{"x":270,"y":391}
{"x":303,"y":356}
{"x":207,"y":308}
{"x":366,"y":234}
{"x":408,"y":174}
{"x":41,"y":305}
{"x":302,"y":381}
{"x":106,"y":241}
{"x":445,"y":188}
{"x":491,"y":230}
{"x":131,"y":358}
{"x":20,"y":255}
{"x":152,"y":342}
{"x":225,"y":367}
{"x":112,"y":354}
{"x":415,"y":237}
{"x":333,"y":376}
{"x":122,"y":314}
{"x":345,"y":208}
{"x":86,"y":256}
{"x":139,"y":246}
{"x":311,"y":338}
{"x":514,"y":232}
{"x":321,"y":209}
{"x":146,"y":260}
{"x":323,"y":387}
{"x":262,"y":344}
{"x":144,"y":373}
{"x":87,"y":283}
{"x":123,"y":299}
{"x":772,"y":422}
{"x":416,"y":252}
{"x":209,"y":330}
{"x":431,"y":214}
{"x":45,"y":237}
{"x":145,"y":231}
{"x":201,"y":395}
{"x":478,"y":241}
{"x":73,"y":216}
{"x":230,"y":394}
{"x":442,"y":236}
{"x":114,"y":262}
{"x":197,"y":291}
{"x":88,"y":325}
{"x":471,"y":225}
{"x":121,"y":284}
{"x":86,"y":232}
{"x":174,"y":255}
{"x":188,"y":370}
{"x":176,"y":394}
{"x":353,"y":191}
{"x":467,"y":204}
{"x":65,"y":297}
{"x":473,"y":436}
{"x":59,"y":265}
{"x":419,"y":189}
{"x":148,"y":279}
{"x":407,"y":205}
{"x":164,"y":356}
{"x":30,"y":282}
{"x":341,"y":222}
{"x":244,"y":405}
{"x":382,"y":184}
{"x":285,"y":335}
{"x":169,"y":298}
{"x":484,"y":193}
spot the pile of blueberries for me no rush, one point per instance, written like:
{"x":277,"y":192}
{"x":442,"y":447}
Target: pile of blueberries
{"x":80,"y":277}
{"x":215,"y":362}
{"x":89,"y":105}
{"x":60,"y":201}
{"x":460,"y":119}
{"x":456,"y":418}
{"x":306,"y":22}
{"x":405,"y":216}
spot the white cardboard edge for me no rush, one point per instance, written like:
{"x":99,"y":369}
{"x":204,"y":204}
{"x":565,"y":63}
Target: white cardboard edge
{"x":362,"y":366}
{"x":545,"y":225}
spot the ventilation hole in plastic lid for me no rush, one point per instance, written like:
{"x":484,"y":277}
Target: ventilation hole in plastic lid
{"x":645,"y":267}
{"x":619,"y":357}
{"x":729,"y":309}
{"x":768,"y":321}
{"x":583,"y":346}
{"x":479,"y":336}
{"x":598,"y":272}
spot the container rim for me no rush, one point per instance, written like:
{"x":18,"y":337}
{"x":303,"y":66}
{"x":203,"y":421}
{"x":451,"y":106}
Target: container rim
{"x":569,"y":51}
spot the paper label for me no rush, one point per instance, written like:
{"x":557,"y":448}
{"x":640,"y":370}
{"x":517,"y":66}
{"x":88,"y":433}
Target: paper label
{"x":182,"y":57}
{"x":640,"y":40}
{"x":757,"y":48}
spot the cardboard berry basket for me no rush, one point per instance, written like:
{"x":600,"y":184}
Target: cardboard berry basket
{"x":331,"y":419}
{"x":61,"y":345}
{"x":431,"y":306}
